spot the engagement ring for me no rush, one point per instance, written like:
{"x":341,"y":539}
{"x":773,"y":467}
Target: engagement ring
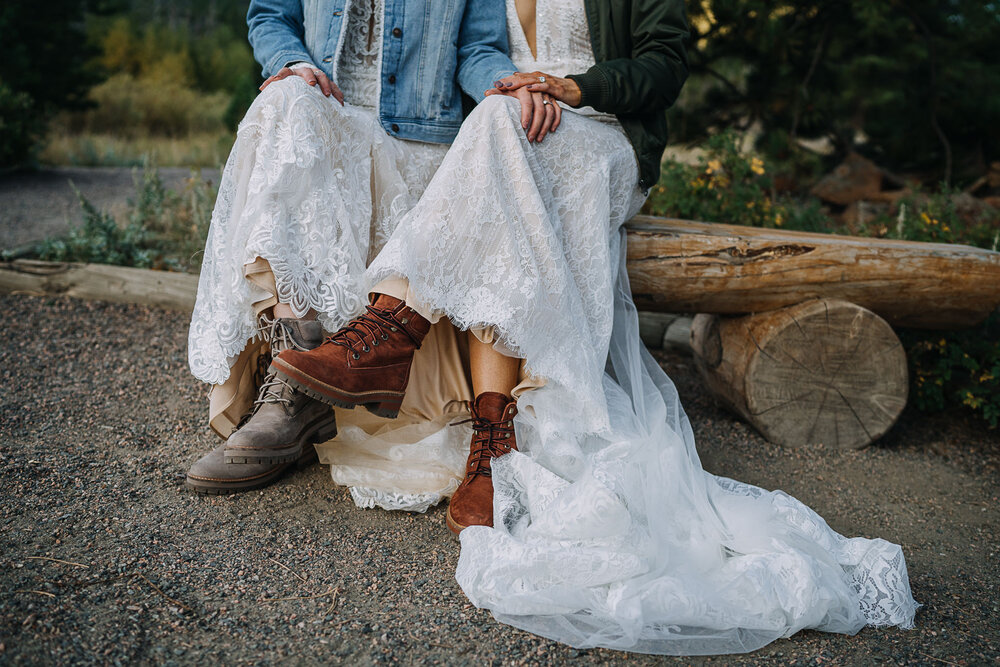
{"x":546,"y":102}
{"x":541,"y":79}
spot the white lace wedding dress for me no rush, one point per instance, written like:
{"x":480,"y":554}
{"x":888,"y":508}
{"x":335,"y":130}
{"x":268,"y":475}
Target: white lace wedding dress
{"x":608,"y":532}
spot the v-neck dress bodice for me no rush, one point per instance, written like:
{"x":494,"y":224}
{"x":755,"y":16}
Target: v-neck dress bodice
{"x":562,"y":42}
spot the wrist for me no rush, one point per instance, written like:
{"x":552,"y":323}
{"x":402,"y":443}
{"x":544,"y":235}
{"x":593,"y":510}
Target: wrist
{"x":573,"y":93}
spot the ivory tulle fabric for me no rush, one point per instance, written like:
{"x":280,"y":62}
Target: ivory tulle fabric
{"x":608,"y":532}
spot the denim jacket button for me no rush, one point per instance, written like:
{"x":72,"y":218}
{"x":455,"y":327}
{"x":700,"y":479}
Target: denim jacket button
{"x":396,"y":32}
{"x":392,"y":78}
{"x":327,"y":59}
{"x":395,"y":128}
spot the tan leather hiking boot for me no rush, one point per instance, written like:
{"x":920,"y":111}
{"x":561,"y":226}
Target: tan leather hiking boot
{"x":492,"y":436}
{"x":283,"y":421}
{"x":211,"y":475}
{"x":366,"y":363}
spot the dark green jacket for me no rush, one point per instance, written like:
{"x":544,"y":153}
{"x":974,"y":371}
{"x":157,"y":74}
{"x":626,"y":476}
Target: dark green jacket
{"x":641,"y":66}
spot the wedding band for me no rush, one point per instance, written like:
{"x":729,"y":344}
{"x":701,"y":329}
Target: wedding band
{"x":317,"y":72}
{"x":541,"y":79}
{"x":546,"y":102}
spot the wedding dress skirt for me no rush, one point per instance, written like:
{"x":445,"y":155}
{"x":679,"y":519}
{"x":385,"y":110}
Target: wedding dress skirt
{"x":608,"y":532}
{"x":310,"y":192}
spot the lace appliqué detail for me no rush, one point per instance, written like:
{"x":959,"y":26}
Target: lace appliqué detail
{"x":358,"y":69}
{"x":315,"y":189}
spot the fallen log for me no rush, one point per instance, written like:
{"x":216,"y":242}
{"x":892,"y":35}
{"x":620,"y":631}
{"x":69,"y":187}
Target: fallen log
{"x":821,"y":372}
{"x":682,"y":266}
{"x":100,"y":281}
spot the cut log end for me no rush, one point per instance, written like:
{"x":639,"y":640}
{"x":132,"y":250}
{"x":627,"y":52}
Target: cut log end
{"x":822,"y":372}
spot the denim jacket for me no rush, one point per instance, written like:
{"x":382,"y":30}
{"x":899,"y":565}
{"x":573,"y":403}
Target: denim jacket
{"x":431,"y":50}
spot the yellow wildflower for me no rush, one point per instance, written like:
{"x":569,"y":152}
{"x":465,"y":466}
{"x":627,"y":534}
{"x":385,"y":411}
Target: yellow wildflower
{"x":778,"y":220}
{"x":714,"y":166}
{"x":757,"y":166}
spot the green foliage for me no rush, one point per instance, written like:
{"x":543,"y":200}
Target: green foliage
{"x":21,"y":126}
{"x":939,"y":218}
{"x":43,"y":69}
{"x":960,"y":368}
{"x":729,"y":186}
{"x":911,"y":83}
{"x":163,"y":229}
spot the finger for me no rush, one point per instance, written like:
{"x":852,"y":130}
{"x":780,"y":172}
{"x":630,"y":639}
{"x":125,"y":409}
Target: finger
{"x":516,"y":81}
{"x":558,"y":112}
{"x":537,"y":118}
{"x":492,"y":91}
{"x":550,"y":116}
{"x":267,"y":82}
{"x":307,"y":76}
{"x":536,"y":87}
{"x":338,"y":94}
{"x":324,"y":84}
{"x":283,"y":73}
{"x":527,"y":107}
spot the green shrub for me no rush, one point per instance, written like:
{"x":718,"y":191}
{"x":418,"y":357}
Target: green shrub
{"x":729,"y":186}
{"x":957,"y":368}
{"x":162,"y":229}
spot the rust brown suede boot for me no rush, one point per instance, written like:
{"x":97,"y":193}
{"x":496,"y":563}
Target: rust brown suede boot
{"x":492,"y":436}
{"x":366,"y":363}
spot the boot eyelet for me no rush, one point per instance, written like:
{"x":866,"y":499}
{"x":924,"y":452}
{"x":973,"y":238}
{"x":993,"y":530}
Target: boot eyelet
{"x":356,"y":355}
{"x":366,"y":349}
{"x":393,"y":329}
{"x":375,"y":342}
{"x":404,"y":320}
{"x":385,"y":336}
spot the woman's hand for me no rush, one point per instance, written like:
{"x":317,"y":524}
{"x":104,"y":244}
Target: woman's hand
{"x":311,"y":75}
{"x":539,"y":113}
{"x":564,"y":90}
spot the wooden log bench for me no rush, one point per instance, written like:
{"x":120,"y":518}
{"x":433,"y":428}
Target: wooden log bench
{"x":793,"y":328}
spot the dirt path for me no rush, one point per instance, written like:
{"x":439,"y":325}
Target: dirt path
{"x":38,"y":204}
{"x":99,"y":419}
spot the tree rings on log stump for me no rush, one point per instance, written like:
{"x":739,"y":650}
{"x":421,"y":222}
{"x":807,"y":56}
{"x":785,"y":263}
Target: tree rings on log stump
{"x":821,"y":372}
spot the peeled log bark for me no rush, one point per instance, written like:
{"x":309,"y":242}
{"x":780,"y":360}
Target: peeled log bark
{"x":821,"y":372}
{"x":681,"y":266}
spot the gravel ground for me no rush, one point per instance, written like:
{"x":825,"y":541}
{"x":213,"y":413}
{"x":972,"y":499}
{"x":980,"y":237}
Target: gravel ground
{"x":38,"y":204}
{"x":105,"y":558}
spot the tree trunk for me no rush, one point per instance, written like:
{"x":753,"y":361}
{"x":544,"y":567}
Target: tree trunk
{"x":820,"y":372}
{"x":681,"y":266}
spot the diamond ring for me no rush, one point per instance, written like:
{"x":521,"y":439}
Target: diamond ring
{"x":541,"y":79}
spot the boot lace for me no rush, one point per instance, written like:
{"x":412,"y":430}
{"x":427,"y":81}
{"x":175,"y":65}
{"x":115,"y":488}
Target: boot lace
{"x":272,"y":389}
{"x":488,"y":442}
{"x":375,"y":323}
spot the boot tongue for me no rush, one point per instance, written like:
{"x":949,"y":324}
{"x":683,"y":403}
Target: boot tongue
{"x":306,"y":334}
{"x":490,"y":405}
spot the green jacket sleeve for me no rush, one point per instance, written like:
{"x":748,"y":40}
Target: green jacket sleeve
{"x":653,"y":76}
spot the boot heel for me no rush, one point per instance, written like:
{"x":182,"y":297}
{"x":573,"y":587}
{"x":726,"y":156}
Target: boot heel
{"x":388,"y":409}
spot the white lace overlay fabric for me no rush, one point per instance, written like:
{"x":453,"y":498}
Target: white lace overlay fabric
{"x":313,"y":187}
{"x":359,"y":65}
{"x":608,"y":532}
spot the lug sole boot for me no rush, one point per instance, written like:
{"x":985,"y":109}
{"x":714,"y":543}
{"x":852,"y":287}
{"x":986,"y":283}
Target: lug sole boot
{"x":283,"y":421}
{"x":366,"y":363}
{"x":211,"y":475}
{"x":492,"y":436}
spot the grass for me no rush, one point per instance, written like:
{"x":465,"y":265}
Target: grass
{"x":87,"y":149}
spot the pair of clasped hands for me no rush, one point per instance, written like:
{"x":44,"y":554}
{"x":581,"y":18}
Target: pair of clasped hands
{"x":536,"y":91}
